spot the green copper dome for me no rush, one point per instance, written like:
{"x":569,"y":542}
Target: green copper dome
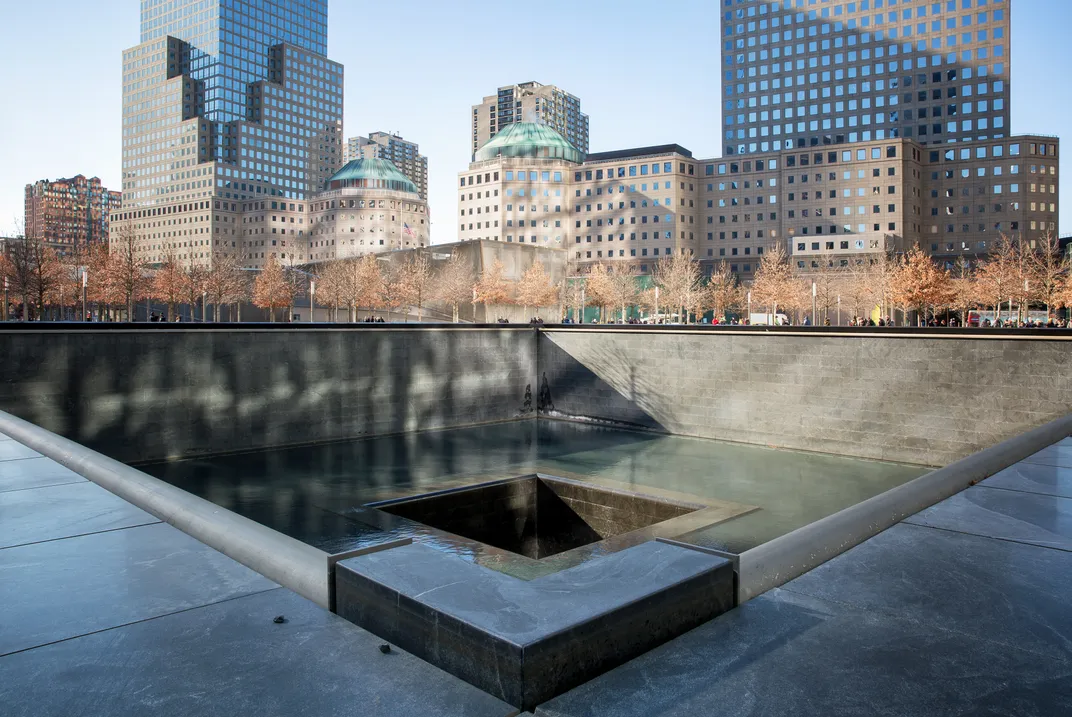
{"x":372,"y":174}
{"x":529,"y":139}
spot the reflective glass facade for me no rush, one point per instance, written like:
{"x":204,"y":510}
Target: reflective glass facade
{"x":225,"y":101}
{"x":806,"y":73}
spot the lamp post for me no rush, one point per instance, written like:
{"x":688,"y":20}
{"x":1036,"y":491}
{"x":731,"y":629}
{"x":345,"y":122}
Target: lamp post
{"x":5,"y":299}
{"x":85,"y":275}
{"x":474,"y":306}
{"x":749,"y":317}
{"x":204,"y":301}
{"x":583,"y":305}
{"x":839,"y":309}
{"x":312,"y":299}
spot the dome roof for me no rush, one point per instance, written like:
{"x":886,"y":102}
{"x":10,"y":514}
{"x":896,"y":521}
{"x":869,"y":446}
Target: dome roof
{"x":529,"y":139}
{"x":371,"y":174}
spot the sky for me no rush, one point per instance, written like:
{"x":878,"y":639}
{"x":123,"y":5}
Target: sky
{"x":646,"y":74}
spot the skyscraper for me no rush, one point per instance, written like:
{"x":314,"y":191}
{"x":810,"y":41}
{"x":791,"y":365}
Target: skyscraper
{"x":802,"y":74}
{"x":385,"y":145}
{"x":227,"y":105}
{"x":530,"y":102}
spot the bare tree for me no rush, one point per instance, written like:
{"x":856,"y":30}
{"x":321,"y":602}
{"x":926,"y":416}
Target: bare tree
{"x":331,"y":285}
{"x":535,"y":288}
{"x":271,"y":289}
{"x":724,"y":289}
{"x":454,"y":282}
{"x":224,"y":282}
{"x":1049,"y":268}
{"x":414,"y":281}
{"x":493,"y":288}
{"x":129,"y":273}
{"x":623,"y":288}
{"x":920,"y":283}
{"x":193,"y":287}
{"x":168,"y":282}
{"x":774,"y":284}
{"x":677,"y":278}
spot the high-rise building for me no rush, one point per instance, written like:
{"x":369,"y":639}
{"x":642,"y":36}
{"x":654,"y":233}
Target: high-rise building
{"x":810,"y":74}
{"x":68,"y":213}
{"x":228,"y":107}
{"x":385,"y":145}
{"x":530,"y":102}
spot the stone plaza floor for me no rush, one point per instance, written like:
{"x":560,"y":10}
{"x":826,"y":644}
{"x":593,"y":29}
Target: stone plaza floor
{"x":963,"y":608}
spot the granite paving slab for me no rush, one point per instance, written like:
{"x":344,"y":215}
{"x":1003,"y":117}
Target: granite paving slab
{"x":790,"y":654}
{"x":1043,"y":520}
{"x":1059,"y":454}
{"x":35,"y":473}
{"x":996,"y":590}
{"x":13,"y":451}
{"x":63,"y":511}
{"x":64,"y":588}
{"x":1033,"y":478}
{"x":230,"y":658}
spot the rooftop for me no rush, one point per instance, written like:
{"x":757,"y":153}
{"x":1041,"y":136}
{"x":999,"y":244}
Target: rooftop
{"x":529,"y":139}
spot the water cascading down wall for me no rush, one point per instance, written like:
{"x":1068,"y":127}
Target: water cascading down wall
{"x":146,"y":393}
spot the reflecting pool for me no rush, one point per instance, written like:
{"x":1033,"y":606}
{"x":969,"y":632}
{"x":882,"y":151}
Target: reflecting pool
{"x":317,"y":493}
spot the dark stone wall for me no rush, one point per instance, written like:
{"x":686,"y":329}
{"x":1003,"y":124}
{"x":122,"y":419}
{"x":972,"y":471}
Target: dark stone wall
{"x":146,"y":394}
{"x":917,"y":399}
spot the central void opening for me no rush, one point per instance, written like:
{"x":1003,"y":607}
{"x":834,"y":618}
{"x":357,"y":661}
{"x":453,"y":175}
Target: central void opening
{"x":536,"y":516}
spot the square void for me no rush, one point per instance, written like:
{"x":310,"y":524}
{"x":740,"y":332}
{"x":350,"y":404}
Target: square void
{"x":537,"y":516}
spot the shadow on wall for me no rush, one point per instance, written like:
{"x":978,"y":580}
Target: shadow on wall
{"x":602,"y":386}
{"x":152,"y":394}
{"x":927,"y":400}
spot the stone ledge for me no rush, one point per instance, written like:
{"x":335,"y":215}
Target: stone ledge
{"x":526,"y":642}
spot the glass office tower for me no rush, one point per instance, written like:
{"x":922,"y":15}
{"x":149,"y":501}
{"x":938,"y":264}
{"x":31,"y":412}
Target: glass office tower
{"x":807,"y":73}
{"x":225,"y":101}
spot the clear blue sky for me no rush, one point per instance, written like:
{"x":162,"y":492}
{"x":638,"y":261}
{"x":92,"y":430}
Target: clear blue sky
{"x":646,"y":73}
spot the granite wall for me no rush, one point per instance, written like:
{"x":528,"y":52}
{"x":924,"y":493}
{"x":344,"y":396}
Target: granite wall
{"x":159,"y":392}
{"x":916,"y":399}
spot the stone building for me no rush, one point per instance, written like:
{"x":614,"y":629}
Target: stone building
{"x":68,"y":213}
{"x":838,"y":205}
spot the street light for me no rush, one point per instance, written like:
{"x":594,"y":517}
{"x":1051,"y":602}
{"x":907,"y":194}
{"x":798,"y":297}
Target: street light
{"x":5,"y":299}
{"x":749,"y":307}
{"x":85,"y":274}
{"x":312,"y":300}
{"x":839,"y":309}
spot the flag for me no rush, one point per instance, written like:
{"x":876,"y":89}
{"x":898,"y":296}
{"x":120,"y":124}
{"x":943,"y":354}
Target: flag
{"x":406,"y":229}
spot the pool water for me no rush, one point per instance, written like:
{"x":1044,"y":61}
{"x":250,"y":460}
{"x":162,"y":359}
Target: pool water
{"x":316,"y":493}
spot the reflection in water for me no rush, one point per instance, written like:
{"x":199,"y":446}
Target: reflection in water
{"x":315,"y":493}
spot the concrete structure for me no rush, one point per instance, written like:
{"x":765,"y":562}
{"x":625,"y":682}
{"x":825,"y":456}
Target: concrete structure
{"x":390,"y":146}
{"x":799,"y":76}
{"x":467,"y":375}
{"x":808,"y":390}
{"x":931,"y":399}
{"x":69,"y":213}
{"x":230,"y":107}
{"x":834,"y":207}
{"x":530,"y":102}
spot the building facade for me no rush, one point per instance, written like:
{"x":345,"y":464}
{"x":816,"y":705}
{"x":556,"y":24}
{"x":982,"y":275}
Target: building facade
{"x":368,"y":207}
{"x":833,"y":207}
{"x":225,"y":106}
{"x":69,"y":213}
{"x":530,"y":102}
{"x":404,"y":155}
{"x":812,"y":74}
